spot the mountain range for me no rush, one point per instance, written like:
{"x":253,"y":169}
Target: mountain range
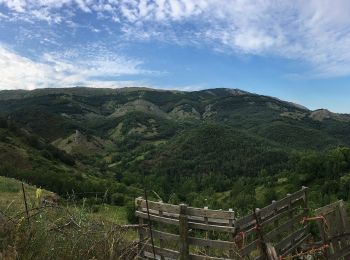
{"x":175,"y":137}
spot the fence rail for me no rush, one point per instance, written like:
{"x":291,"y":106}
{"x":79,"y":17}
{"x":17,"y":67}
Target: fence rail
{"x":279,"y":229}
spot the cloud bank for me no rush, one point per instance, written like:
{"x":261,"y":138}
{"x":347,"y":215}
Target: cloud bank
{"x":314,"y":32}
{"x":72,"y":69}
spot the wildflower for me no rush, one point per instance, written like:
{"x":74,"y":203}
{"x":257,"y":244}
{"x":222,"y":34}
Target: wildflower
{"x":38,"y":194}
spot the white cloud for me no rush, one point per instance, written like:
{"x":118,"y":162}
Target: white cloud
{"x":18,"y":72}
{"x":315,"y":31}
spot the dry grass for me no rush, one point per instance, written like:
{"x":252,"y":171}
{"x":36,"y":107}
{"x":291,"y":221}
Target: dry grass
{"x":68,"y":231}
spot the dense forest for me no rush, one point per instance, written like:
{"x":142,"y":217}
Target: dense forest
{"x":220,"y":148}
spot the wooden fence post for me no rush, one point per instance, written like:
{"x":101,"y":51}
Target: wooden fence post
{"x":161,"y":241}
{"x":206,"y":221}
{"x":183,"y":232}
{"x":140,"y":252}
{"x":232,"y":234}
{"x":25,"y":203}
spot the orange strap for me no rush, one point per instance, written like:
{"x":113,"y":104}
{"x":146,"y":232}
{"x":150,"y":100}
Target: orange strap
{"x":242,"y":235}
{"x":321,"y":217}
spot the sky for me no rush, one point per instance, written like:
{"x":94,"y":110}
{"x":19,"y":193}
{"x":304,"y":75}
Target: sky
{"x":296,"y":50}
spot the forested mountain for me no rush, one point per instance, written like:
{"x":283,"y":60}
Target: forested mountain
{"x":217,"y":146}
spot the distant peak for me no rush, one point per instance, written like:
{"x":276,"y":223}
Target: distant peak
{"x":237,"y":92}
{"x":322,"y":114}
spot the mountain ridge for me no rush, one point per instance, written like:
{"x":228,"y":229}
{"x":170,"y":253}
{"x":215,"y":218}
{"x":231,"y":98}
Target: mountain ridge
{"x":21,"y":93}
{"x":183,"y":143}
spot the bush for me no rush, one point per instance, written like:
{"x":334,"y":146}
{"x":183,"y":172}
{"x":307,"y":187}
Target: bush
{"x":118,"y":199}
{"x":130,"y":212}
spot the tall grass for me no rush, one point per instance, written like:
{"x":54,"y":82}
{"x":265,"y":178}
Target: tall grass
{"x":68,"y":231}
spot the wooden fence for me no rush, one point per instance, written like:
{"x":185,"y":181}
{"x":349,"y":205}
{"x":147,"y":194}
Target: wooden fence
{"x":277,"y":231}
{"x":335,"y":230}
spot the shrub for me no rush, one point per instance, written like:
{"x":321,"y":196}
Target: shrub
{"x":118,"y":199}
{"x":130,"y":212}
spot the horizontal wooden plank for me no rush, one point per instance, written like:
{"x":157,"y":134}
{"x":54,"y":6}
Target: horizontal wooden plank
{"x":157,"y":218}
{"x":271,"y":211}
{"x":156,"y":212}
{"x":245,"y":222}
{"x":284,"y":227}
{"x":209,"y":213}
{"x":203,"y":226}
{"x":152,"y":205}
{"x":296,"y":244}
{"x":283,"y":214}
{"x":210,"y":221}
{"x":279,"y":212}
{"x":193,"y":225}
{"x":328,"y":208}
{"x":221,"y":244}
{"x":284,"y":203}
{"x":292,"y":238}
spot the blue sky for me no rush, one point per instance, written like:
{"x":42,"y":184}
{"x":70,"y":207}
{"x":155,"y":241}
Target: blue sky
{"x":294,"y":50}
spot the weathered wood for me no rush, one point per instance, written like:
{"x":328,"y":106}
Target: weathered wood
{"x":290,"y":240}
{"x":327,"y":209}
{"x":202,"y":226}
{"x":271,"y":212}
{"x":199,"y":212}
{"x":161,"y":241}
{"x":294,"y":198}
{"x":344,"y":216}
{"x":157,"y":218}
{"x":245,"y":223}
{"x":280,"y":215}
{"x":161,"y":206}
{"x":284,"y":227}
{"x":296,"y":244}
{"x":141,"y":222}
{"x":214,"y":214}
{"x":183,"y":231}
{"x":221,"y":244}
{"x":232,"y":236}
{"x":25,"y":203}
{"x":198,"y":219}
{"x":337,"y":225}
{"x":275,"y":221}
{"x":206,"y":221}
{"x":210,"y":221}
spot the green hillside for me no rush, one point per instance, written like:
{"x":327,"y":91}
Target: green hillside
{"x":218,"y":146}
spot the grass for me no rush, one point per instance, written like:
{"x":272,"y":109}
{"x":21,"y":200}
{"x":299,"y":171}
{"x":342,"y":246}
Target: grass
{"x":71,"y":230}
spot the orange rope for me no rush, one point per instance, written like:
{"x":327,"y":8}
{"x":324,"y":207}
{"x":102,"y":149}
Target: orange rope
{"x":317,"y":218}
{"x":242,"y":235}
{"x":321,"y":217}
{"x":314,"y":249}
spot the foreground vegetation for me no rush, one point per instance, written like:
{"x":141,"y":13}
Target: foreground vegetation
{"x":71,"y":230}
